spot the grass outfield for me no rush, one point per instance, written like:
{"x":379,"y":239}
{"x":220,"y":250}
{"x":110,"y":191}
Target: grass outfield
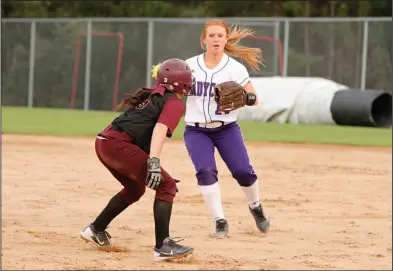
{"x":65,"y":122}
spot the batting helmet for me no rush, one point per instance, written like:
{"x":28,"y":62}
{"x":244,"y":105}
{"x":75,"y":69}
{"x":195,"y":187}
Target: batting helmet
{"x":176,"y":75}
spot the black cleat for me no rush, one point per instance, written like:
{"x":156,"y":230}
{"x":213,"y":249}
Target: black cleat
{"x":170,"y":249}
{"x":99,"y":238}
{"x":262,"y":222}
{"x":222,"y":229}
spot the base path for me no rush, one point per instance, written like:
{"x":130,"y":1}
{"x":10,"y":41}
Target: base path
{"x":330,"y":208}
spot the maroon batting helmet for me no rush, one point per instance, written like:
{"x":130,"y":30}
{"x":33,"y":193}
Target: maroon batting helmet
{"x":176,"y":75}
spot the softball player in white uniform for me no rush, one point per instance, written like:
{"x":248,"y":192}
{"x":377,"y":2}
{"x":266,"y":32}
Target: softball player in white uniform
{"x":206,"y":129}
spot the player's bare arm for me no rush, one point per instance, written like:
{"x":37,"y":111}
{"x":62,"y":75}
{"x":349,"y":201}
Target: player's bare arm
{"x":158,"y":139}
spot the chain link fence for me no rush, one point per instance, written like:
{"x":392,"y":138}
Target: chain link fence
{"x":90,"y":64}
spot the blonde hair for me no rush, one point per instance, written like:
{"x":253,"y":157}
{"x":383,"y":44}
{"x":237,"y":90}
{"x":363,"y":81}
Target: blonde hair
{"x":154,"y":70}
{"x":253,"y":56}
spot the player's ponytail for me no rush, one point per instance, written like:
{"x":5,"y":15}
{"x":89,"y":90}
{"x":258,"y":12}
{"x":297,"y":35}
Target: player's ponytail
{"x":133,"y":100}
{"x":253,"y":56}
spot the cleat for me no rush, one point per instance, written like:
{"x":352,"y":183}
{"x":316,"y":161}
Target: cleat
{"x":261,"y":221}
{"x":170,"y":249}
{"x":99,"y":238}
{"x":222,"y":228}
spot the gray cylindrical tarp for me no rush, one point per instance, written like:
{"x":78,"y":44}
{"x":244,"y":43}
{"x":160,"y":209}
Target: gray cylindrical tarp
{"x":355,"y":107}
{"x":294,"y":100}
{"x":300,"y":100}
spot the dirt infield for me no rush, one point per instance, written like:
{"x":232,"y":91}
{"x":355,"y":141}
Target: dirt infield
{"x":330,"y":208}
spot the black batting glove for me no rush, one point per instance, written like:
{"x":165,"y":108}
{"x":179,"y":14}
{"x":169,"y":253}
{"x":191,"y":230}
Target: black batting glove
{"x":154,"y":176}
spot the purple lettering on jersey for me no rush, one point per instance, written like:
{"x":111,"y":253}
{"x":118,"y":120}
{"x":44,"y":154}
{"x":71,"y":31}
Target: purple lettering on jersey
{"x":203,"y":89}
{"x":199,"y":88}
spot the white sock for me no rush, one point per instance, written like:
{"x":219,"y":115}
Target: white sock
{"x":212,"y":197}
{"x":252,"y":194}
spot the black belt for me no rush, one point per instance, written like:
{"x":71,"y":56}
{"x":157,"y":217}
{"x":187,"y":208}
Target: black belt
{"x":222,"y":123}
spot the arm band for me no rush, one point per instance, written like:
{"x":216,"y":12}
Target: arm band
{"x":251,"y":99}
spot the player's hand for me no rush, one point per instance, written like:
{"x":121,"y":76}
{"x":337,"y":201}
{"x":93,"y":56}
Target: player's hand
{"x":154,"y":176}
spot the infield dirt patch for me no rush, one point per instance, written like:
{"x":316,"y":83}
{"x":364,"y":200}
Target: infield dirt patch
{"x":330,"y":208}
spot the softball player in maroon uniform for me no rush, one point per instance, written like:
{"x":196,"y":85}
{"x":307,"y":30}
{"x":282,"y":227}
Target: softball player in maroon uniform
{"x":130,"y":148}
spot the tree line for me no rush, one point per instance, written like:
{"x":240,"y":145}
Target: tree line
{"x":187,"y":8}
{"x":328,"y":50}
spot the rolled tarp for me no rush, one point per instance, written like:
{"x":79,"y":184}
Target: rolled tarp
{"x":355,"y":107}
{"x":314,"y":100}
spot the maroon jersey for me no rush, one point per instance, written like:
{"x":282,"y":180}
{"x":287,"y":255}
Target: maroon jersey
{"x":162,"y":106}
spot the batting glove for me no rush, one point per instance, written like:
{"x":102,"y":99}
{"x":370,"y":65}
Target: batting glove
{"x":154,"y":176}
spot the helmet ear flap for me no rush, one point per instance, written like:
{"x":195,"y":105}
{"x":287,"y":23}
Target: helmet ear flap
{"x":190,"y":87}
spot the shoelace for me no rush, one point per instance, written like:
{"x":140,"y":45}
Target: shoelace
{"x":103,"y":234}
{"x":221,"y":225}
{"x":174,"y":242}
{"x":259,"y":212}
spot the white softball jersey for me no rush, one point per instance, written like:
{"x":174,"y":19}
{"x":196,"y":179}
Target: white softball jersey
{"x":200,"y":105}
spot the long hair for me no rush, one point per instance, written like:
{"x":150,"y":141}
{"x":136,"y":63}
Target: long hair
{"x":253,"y":56}
{"x":133,"y":100}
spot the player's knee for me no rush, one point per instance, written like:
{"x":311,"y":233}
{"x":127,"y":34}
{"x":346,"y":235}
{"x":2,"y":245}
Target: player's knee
{"x":131,"y":195}
{"x":207,"y":176}
{"x":245,"y":178}
{"x":166,"y":191}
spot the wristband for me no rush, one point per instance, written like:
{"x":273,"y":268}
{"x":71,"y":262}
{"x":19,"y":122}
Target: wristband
{"x":251,"y":99}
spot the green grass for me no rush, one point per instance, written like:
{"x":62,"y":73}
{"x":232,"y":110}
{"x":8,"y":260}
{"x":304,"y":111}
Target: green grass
{"x":65,"y":122}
